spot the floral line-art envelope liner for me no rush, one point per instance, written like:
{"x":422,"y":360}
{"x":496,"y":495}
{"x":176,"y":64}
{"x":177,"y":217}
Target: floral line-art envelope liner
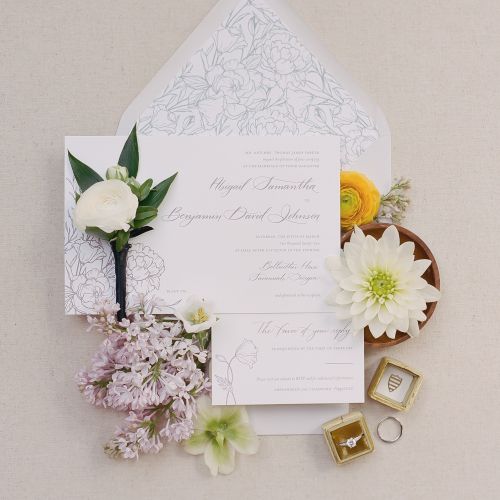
{"x":255,"y":77}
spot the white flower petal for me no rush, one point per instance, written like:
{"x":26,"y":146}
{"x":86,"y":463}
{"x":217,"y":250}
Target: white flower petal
{"x":357,"y":236}
{"x":395,"y":309}
{"x":372,"y":311}
{"x":352,"y":283}
{"x":401,"y":324}
{"x":352,"y":250}
{"x":410,"y":300}
{"x":406,"y":257}
{"x":355,"y":265}
{"x":205,"y":411}
{"x":390,"y":237}
{"x":416,"y":283}
{"x":418,"y":315}
{"x":369,"y":255}
{"x":359,"y":322}
{"x":197,"y":443}
{"x":344,"y":297}
{"x":413,"y":329}
{"x":391,"y":331}
{"x":360,"y":296}
{"x":387,"y":258}
{"x":243,"y":438}
{"x":335,"y":264}
{"x":430,"y":293}
{"x":384,"y":315}
{"x":377,"y":328}
{"x":357,"y":308}
{"x":420,"y":266}
{"x":343,"y":312}
{"x":219,"y":458}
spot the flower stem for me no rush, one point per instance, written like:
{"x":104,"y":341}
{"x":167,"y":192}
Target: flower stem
{"x":121,"y":277}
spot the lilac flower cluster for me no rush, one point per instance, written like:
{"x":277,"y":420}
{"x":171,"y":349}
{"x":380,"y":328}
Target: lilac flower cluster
{"x":150,"y":367}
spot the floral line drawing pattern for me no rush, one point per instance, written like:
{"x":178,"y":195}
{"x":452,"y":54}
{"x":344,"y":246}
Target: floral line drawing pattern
{"x":246,"y":354}
{"x":254,"y":77}
{"x":89,"y":271}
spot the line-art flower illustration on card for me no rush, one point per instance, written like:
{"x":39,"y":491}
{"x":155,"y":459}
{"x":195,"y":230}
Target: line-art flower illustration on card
{"x":89,"y":269}
{"x":144,"y":268}
{"x":255,"y":77}
{"x":245,"y":354}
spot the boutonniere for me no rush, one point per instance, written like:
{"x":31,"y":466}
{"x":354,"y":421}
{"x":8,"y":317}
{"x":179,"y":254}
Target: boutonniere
{"x":118,"y":207}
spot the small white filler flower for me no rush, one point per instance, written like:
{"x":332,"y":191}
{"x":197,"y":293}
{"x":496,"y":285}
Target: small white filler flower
{"x":220,"y":432}
{"x":196,"y":314}
{"x":380,"y":284}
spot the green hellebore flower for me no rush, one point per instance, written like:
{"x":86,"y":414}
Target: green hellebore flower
{"x":220,"y":432}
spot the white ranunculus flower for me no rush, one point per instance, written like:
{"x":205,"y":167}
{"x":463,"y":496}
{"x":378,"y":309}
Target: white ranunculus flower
{"x":109,"y":205}
{"x":380,"y":284}
{"x":196,"y":314}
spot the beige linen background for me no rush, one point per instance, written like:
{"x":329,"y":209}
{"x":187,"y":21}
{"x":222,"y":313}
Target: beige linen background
{"x":71,"y":68}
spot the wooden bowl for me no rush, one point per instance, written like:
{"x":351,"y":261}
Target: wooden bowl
{"x":431,"y":275}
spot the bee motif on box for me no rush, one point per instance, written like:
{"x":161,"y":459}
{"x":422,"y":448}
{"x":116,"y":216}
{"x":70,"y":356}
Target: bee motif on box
{"x":394,"y":382}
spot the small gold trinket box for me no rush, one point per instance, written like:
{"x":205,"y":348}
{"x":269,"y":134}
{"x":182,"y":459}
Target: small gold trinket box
{"x":348,"y":437}
{"x":395,"y":384}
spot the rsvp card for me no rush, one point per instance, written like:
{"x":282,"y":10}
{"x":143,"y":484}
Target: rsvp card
{"x":285,"y":359}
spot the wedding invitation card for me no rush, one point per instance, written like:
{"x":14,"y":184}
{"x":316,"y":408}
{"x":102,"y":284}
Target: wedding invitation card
{"x":247,"y":221}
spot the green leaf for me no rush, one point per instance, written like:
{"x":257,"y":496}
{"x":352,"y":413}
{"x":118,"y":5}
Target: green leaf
{"x":203,"y":338}
{"x":129,"y":156}
{"x":145,"y":189}
{"x":139,"y":231}
{"x":142,"y":222}
{"x":135,"y":189}
{"x":100,"y":233}
{"x":159,"y":192}
{"x":144,"y":212}
{"x":121,"y":240}
{"x":84,"y":175}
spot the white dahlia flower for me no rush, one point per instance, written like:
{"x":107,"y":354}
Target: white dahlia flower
{"x":380,"y":284}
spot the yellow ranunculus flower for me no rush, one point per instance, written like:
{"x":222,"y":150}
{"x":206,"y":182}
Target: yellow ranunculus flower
{"x":359,"y":200}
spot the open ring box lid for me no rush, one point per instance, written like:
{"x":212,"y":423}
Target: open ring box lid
{"x":395,"y":384}
{"x":342,"y":428}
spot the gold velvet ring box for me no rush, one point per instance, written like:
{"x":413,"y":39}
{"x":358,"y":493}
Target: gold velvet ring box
{"x":395,"y":384}
{"x":348,"y":437}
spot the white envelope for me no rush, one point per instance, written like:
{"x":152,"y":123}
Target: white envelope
{"x":253,"y":68}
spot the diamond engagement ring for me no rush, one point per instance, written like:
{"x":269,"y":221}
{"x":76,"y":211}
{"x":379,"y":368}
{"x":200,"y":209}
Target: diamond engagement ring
{"x":351,"y":442}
